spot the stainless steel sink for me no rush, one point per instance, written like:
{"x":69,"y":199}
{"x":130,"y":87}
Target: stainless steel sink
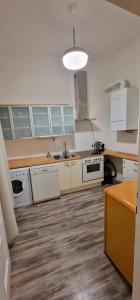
{"x":86,"y":153}
{"x":58,"y":157}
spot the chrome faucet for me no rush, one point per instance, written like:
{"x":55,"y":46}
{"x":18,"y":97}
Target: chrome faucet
{"x":65,"y":150}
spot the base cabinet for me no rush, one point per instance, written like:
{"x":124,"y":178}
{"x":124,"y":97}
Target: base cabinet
{"x":65,"y":176}
{"x":70,"y":173}
{"x":130,"y":170}
{"x":76,"y":173}
{"x":70,"y":177}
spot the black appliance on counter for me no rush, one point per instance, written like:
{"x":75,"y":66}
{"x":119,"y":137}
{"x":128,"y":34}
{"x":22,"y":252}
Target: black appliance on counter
{"x":99,"y":147}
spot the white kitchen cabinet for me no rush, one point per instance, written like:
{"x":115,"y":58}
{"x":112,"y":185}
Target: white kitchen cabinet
{"x":70,"y":174}
{"x":4,"y":262}
{"x":76,"y":173}
{"x":41,"y":122}
{"x":68,"y":123}
{"x":22,"y":122}
{"x":65,"y":175}
{"x":56,"y":120}
{"x":124,"y":109}
{"x":5,"y":122}
{"x":130,"y":170}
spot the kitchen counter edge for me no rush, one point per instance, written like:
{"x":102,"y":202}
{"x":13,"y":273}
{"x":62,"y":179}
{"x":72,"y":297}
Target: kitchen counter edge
{"x":36,"y":161}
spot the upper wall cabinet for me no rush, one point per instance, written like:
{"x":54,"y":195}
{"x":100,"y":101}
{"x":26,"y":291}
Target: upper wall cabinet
{"x":5,"y":122}
{"x":21,"y":122}
{"x":68,"y":114}
{"x":41,"y":123}
{"x":125,"y":109}
{"x":56,"y":120}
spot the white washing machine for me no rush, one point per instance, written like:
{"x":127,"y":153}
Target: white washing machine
{"x":21,"y":185}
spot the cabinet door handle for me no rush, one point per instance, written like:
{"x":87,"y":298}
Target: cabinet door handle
{"x":117,"y":121}
{"x":66,"y":164}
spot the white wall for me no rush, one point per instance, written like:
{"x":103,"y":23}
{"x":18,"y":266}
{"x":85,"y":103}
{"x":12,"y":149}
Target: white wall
{"x":125,"y":64}
{"x":26,"y":79}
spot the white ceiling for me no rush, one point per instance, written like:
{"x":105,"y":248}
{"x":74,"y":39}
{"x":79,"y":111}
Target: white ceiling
{"x":44,"y":27}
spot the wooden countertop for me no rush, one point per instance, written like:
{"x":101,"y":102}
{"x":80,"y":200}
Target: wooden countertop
{"x":36,"y":161}
{"x":122,"y":155}
{"x":42,"y":160}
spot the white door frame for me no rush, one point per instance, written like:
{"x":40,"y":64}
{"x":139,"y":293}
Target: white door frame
{"x":5,"y":263}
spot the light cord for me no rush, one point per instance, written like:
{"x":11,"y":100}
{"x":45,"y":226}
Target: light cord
{"x":92,"y":130}
{"x":74,"y":42}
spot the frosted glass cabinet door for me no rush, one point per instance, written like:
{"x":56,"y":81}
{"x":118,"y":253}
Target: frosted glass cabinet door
{"x":5,"y":122}
{"x":41,"y":121}
{"x":68,"y":120}
{"x":22,"y":123}
{"x":56,"y":120}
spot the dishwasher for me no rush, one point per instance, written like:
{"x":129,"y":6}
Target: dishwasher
{"x":45,"y":182}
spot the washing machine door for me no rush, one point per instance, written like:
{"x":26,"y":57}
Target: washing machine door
{"x":18,"y":186}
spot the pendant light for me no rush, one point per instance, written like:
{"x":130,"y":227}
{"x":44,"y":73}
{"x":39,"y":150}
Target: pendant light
{"x":74,"y":58}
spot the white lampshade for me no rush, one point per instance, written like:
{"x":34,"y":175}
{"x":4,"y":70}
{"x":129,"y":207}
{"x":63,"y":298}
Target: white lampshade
{"x":75,"y":59}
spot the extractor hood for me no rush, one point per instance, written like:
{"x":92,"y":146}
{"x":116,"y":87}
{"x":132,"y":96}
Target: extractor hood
{"x":81,"y":103}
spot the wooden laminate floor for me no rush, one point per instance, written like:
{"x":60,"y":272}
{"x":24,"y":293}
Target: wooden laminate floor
{"x":60,"y":255}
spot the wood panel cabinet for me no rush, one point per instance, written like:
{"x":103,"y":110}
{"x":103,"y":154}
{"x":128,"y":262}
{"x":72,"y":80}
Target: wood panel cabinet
{"x":4,"y":261}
